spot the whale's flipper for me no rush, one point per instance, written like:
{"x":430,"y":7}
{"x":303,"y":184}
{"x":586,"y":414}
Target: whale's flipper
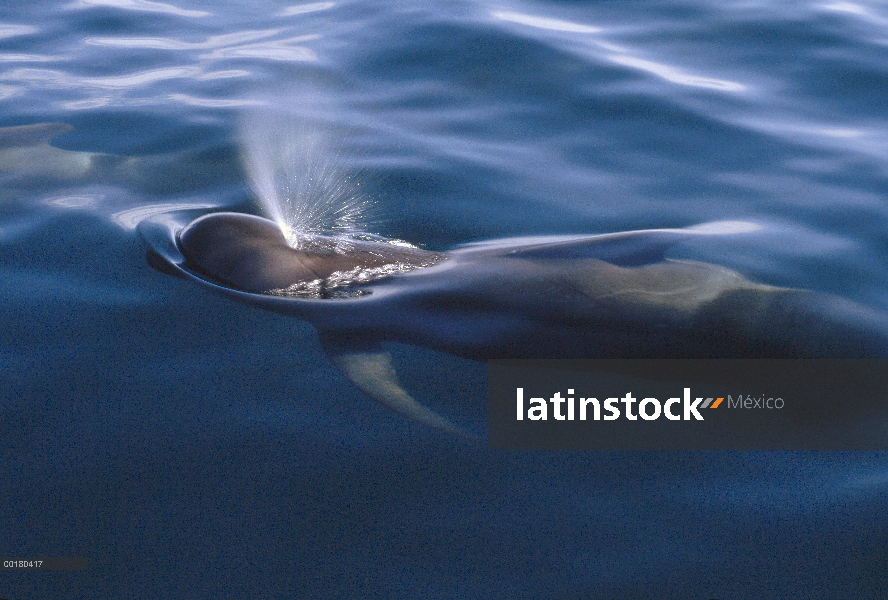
{"x":363,"y":362}
{"x":629,"y":248}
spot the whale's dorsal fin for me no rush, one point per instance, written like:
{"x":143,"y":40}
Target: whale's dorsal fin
{"x":363,"y":362}
{"x":629,"y":248}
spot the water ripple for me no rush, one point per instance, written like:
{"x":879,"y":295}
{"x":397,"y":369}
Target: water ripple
{"x":155,"y":43}
{"x":282,"y":50}
{"x":300,"y":9}
{"x":545,"y":22}
{"x":213,"y":102}
{"x":9,"y":30}
{"x":140,"y":6}
{"x":131,"y":217}
{"x":591,"y":47}
{"x":224,"y":46}
{"x":674,"y":75}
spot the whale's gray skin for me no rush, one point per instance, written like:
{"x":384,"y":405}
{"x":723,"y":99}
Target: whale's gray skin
{"x":597,"y":296}
{"x":25,"y":150}
{"x":27,"y":155}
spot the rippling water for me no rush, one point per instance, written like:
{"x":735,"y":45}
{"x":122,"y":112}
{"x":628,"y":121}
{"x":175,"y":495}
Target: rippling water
{"x":190,"y":447}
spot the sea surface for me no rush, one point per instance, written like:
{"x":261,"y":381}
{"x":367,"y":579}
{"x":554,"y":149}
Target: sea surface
{"x":191,"y":447}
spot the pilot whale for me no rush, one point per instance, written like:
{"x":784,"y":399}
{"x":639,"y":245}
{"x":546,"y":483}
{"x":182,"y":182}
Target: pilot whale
{"x":588,"y":296}
{"x":28,"y":156}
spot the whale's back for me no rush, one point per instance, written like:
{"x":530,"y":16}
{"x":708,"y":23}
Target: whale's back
{"x":251,"y":254}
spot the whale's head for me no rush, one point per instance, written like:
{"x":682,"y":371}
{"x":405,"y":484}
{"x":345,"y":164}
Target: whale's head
{"x":251,"y":254}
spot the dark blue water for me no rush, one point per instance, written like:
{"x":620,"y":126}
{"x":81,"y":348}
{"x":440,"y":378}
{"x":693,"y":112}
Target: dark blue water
{"x":190,"y":447}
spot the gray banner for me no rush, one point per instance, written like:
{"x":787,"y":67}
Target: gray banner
{"x":688,"y":404}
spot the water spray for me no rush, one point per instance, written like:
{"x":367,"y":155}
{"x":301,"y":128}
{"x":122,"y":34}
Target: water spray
{"x":295,"y":167}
